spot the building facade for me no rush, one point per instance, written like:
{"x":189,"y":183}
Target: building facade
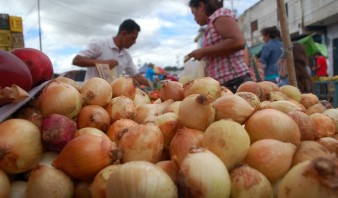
{"x":318,"y":18}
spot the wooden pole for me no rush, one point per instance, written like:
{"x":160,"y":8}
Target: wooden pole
{"x":286,"y":42}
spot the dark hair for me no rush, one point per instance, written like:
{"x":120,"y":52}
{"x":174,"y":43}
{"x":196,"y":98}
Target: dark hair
{"x":129,"y":26}
{"x":272,"y":32}
{"x":210,"y":5}
{"x":304,"y":80}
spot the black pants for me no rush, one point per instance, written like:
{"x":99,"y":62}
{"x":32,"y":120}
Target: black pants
{"x":236,"y":82}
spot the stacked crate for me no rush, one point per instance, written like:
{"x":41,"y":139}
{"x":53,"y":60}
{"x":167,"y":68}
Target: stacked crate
{"x":11,"y":32}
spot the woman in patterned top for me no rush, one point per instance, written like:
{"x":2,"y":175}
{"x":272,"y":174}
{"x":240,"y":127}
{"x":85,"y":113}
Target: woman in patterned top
{"x":223,"y":43}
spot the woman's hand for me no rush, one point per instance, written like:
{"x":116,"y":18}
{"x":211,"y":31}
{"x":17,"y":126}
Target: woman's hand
{"x":197,"y":54}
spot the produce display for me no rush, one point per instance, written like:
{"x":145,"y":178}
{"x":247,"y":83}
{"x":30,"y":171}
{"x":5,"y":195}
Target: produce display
{"x":99,"y":139}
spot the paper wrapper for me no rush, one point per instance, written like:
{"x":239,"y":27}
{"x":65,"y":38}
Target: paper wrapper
{"x":12,"y":94}
{"x":106,"y":73}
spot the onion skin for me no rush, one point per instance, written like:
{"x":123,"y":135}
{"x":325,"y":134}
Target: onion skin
{"x":333,"y":113}
{"x":283,"y":106}
{"x":316,"y":108}
{"x":248,"y":182}
{"x":124,"y":86}
{"x":4,"y":183}
{"x":171,"y":90}
{"x":324,"y":126}
{"x":252,"y":87}
{"x":140,"y":179}
{"x":117,"y":129}
{"x":292,"y":92}
{"x":141,"y":98}
{"x":68,"y":81}
{"x":170,"y":167}
{"x":30,"y":113}
{"x":168,"y":124}
{"x":93,"y":116}
{"x":330,"y":143}
{"x":206,"y":86}
{"x":305,"y":125}
{"x":251,"y":98}
{"x":96,"y":91}
{"x":267,"y":87}
{"x":311,"y":179}
{"x":203,"y":174}
{"x":20,"y":145}
{"x":57,"y":130}
{"x":308,"y":100}
{"x":121,"y":107}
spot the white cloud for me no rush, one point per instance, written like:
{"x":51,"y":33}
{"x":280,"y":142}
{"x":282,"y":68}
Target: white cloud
{"x":167,"y":27}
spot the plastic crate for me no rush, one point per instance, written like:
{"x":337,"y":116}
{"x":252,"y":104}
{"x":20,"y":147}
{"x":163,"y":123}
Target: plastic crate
{"x":5,"y":38}
{"x":6,"y":48}
{"x":17,"y":40}
{"x":4,"y":22}
{"x":15,"y":24}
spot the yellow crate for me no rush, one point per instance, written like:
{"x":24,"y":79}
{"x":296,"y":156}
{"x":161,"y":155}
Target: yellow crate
{"x":6,"y":48}
{"x":15,"y":23}
{"x":5,"y":38}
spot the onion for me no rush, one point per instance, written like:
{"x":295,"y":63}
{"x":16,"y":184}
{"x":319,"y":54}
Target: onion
{"x":96,"y":91}
{"x":271,"y":157}
{"x":98,"y":186}
{"x":316,"y":108}
{"x":251,"y":98}
{"x":226,"y":91}
{"x":168,"y":124}
{"x":170,"y":167}
{"x":330,"y":143}
{"x":67,"y":81}
{"x":324,"y":126}
{"x":81,"y":189}
{"x":20,"y":145}
{"x":18,"y":189}
{"x":267,"y":87}
{"x":183,"y":140}
{"x":93,"y":116}
{"x":140,"y":179}
{"x":142,"y":142}
{"x":308,"y":100}
{"x":283,"y":106}
{"x":119,"y":128}
{"x":272,"y":124}
{"x":48,"y":157}
{"x":326,"y":104}
{"x":233,"y":107}
{"x":124,"y":86}
{"x":203,"y":86}
{"x":173,"y":107}
{"x":305,"y":125}
{"x":276,"y":96}
{"x":333,"y":113}
{"x":308,"y":150}
{"x":57,"y":130}
{"x":89,"y":130}
{"x":148,"y":112}
{"x":171,"y":90}
{"x":252,"y":87}
{"x":292,"y":92}
{"x":228,"y":140}
{"x":4,"y":183}
{"x":60,"y":98}
{"x":45,"y":180}
{"x":202,"y":110}
{"x":141,"y":98}
{"x":30,"y":114}
{"x":121,"y":107}
{"x":247,"y":181}
{"x":311,"y":179}
{"x":84,"y":156}
{"x":203,"y":174}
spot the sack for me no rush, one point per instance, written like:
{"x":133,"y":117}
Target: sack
{"x":256,"y":70}
{"x":192,"y":69}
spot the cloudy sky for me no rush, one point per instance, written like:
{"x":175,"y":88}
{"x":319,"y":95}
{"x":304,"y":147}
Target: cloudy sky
{"x":167,"y":32}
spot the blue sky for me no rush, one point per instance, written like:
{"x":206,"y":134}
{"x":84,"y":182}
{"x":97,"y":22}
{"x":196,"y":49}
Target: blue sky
{"x":168,"y":27}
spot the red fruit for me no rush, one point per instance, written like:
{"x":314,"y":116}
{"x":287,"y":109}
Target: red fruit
{"x":38,"y":63}
{"x":14,"y":71}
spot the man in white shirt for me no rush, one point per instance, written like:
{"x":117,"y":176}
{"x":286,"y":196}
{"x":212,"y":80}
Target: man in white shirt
{"x":112,"y":51}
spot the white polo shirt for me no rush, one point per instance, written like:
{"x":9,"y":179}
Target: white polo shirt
{"x":105,"y":49}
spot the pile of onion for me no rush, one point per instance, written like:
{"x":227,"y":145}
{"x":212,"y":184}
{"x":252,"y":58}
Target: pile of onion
{"x":93,"y":116}
{"x":96,"y":91}
{"x":204,"y":86}
{"x":124,"y":86}
{"x":121,"y":107}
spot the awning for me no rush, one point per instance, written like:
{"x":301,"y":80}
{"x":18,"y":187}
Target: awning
{"x":312,"y":47}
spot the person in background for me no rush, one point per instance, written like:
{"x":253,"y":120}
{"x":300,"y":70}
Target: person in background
{"x":303,"y":75}
{"x":321,"y":65}
{"x":150,"y":72}
{"x":271,"y":52}
{"x":112,"y":50}
{"x":223,"y":44}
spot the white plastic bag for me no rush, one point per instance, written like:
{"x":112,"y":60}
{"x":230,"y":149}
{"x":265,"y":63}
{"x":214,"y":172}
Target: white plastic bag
{"x":192,"y":69}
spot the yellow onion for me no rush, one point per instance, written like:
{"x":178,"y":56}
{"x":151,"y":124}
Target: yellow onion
{"x":326,"y":104}
{"x":272,"y":124}
{"x":96,"y":91}
{"x":118,"y":128}
{"x":203,"y":174}
{"x":31,"y":114}
{"x":247,"y":182}
{"x":324,"y":126}
{"x":292,"y":92}
{"x":18,"y":189}
{"x":47,"y":181}
{"x":305,"y":125}
{"x":264,"y":103}
{"x":140,"y":179}
{"x":168,"y":124}
{"x":272,"y":158}
{"x":330,"y":143}
{"x":251,"y":98}
{"x":228,"y":140}
{"x":148,"y":112}
{"x":226,"y":91}
{"x":276,"y":96}
{"x":68,"y":81}
{"x":60,"y":98}
{"x":311,"y":179}
{"x":283,"y":106}
{"x":171,"y":90}
{"x":333,"y":113}
{"x":267,"y":87}
{"x":84,"y":156}
{"x":20,"y":145}
{"x":308,"y":150}
{"x":173,"y":107}
{"x":203,"y":86}
{"x":4,"y":183}
{"x":170,"y":167}
{"x":316,"y":108}
{"x":142,"y":142}
{"x":48,"y":157}
{"x":93,"y":116}
{"x":196,"y":111}
{"x":121,"y":107}
{"x":252,"y":87}
{"x":141,"y":98}
{"x":81,"y":189}
{"x":89,"y":130}
{"x":308,"y":100}
{"x":124,"y":86}
{"x":98,"y":186}
{"x":233,"y":107}
{"x":184,"y":139}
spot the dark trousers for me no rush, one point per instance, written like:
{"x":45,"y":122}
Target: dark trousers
{"x":236,"y":82}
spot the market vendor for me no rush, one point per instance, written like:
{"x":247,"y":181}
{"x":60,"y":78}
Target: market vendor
{"x":112,"y":50}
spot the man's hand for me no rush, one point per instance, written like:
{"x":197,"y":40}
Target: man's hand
{"x":112,"y":63}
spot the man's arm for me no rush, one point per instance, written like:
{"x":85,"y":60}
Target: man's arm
{"x":141,"y":79}
{"x":82,"y":61}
